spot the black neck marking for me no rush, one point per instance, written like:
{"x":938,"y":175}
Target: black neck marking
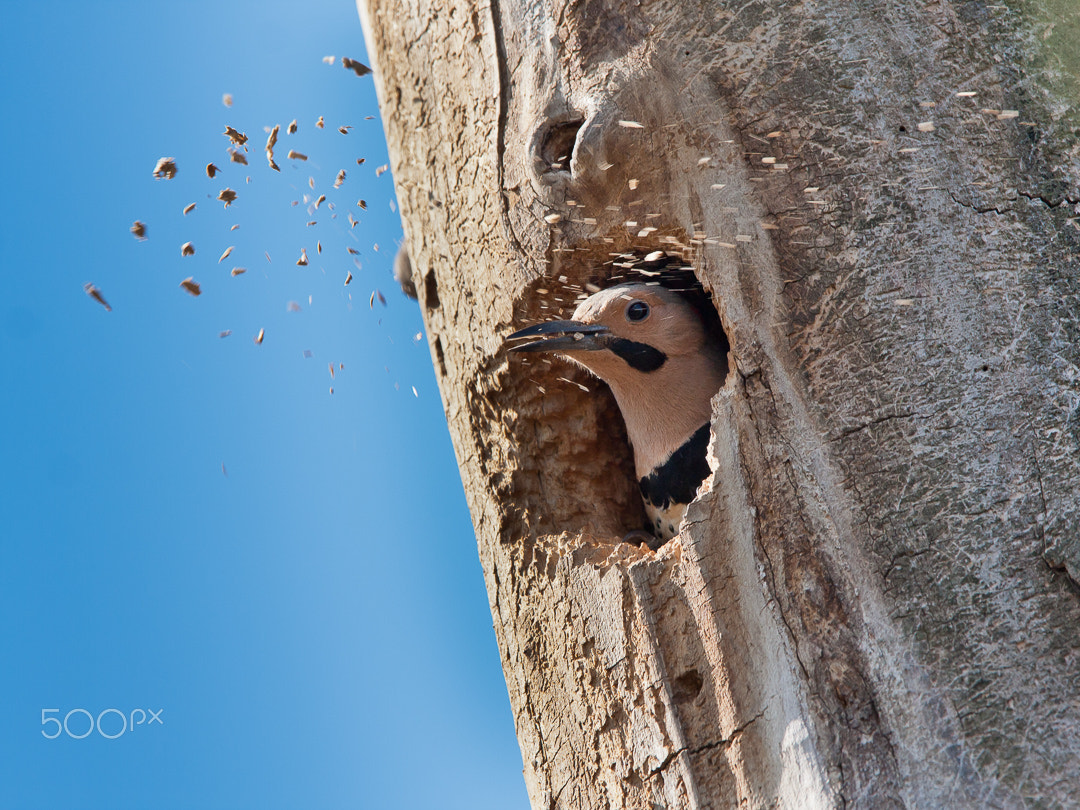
{"x":677,"y":479}
{"x":640,"y":356}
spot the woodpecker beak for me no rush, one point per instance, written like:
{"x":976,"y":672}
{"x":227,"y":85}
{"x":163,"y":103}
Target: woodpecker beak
{"x":562,"y":336}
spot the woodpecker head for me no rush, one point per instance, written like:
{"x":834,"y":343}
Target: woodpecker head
{"x":663,"y":363}
{"x":623,"y":332}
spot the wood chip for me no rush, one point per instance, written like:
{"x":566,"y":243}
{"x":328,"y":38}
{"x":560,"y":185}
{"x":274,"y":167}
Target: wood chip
{"x":348,"y":278}
{"x":95,"y":293}
{"x":187,"y":249}
{"x":271,"y":140}
{"x":552,"y":219}
{"x":227,"y":99}
{"x":379,"y":171}
{"x":359,"y":68}
{"x":294,"y":155}
{"x":165,"y":169}
{"x":238,"y":271}
{"x":237,"y":157}
{"x":362,"y":204}
{"x":292,"y":127}
{"x":320,"y":123}
{"x":344,"y":130}
{"x":238,"y":138}
{"x":318,"y":248}
{"x":302,"y":261}
{"x":320,"y":201}
{"x":339,"y":179}
{"x":138,"y":230}
{"x":227,"y":196}
{"x":225,"y":333}
{"x":211,"y":170}
{"x":192,"y":286}
{"x":188,"y":209}
{"x":259,"y":337}
{"x":329,"y":60}
{"x":925,"y":126}
{"x":631,"y":125}
{"x":225,"y":255}
{"x":353,"y":251}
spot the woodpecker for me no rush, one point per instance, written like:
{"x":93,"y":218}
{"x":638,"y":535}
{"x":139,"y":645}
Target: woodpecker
{"x":663,"y":362}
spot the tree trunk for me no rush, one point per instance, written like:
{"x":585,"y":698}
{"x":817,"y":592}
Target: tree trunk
{"x":875,"y":603}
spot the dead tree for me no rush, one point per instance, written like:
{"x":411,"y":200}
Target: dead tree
{"x":875,"y":603}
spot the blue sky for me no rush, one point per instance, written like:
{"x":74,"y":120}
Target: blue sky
{"x":311,"y":622}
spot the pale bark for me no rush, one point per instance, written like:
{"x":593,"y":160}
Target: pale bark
{"x":876,"y":602}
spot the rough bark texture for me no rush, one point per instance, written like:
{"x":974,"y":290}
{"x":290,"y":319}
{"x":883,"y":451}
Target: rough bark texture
{"x":876,"y":601}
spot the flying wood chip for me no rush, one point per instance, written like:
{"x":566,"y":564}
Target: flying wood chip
{"x":259,"y":337}
{"x":320,"y":123}
{"x":359,"y":68}
{"x":227,"y":99}
{"x":353,"y":251}
{"x":95,"y":293}
{"x":165,"y":168}
{"x":225,"y":255}
{"x":348,"y":278}
{"x":270,"y":161}
{"x":271,"y":141}
{"x":187,"y":249}
{"x":211,"y":170}
{"x":227,"y":196}
{"x":318,"y":248}
{"x":238,"y":138}
{"x":379,"y":171}
{"x":328,"y":60}
{"x":188,"y":209}
{"x":294,"y":155}
{"x":192,"y":286}
{"x":302,"y":261}
{"x":237,"y":157}
{"x":239,"y":271}
{"x":320,"y":201}
{"x":339,"y":179}
{"x":138,"y":230}
{"x":292,"y":127}
{"x":362,"y":204}
{"x":344,"y":130}
{"x":225,"y":334}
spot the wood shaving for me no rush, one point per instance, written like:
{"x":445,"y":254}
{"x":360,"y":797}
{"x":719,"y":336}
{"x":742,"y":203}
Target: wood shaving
{"x":95,"y":293}
{"x":225,"y":255}
{"x":227,"y":99}
{"x":259,"y":337}
{"x":211,"y":170}
{"x":187,"y":249}
{"x":292,"y":127}
{"x":165,"y":169}
{"x":238,"y":271}
{"x":238,"y":138}
{"x":302,"y":261}
{"x":188,"y":209}
{"x":227,"y":196}
{"x":294,"y":155}
{"x":138,"y":230}
{"x":192,"y":286}
{"x":359,"y":68}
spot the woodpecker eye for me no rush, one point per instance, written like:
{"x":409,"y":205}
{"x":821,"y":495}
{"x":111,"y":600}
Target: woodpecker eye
{"x":637,"y":311}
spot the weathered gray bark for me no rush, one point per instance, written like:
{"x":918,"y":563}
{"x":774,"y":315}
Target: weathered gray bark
{"x":876,"y":603}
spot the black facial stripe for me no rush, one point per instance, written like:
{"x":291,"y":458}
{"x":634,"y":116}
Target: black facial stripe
{"x":677,"y":479}
{"x":640,"y":356}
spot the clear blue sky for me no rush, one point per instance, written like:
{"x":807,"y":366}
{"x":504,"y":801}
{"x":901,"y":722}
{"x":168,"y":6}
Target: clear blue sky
{"x":312,"y":626}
